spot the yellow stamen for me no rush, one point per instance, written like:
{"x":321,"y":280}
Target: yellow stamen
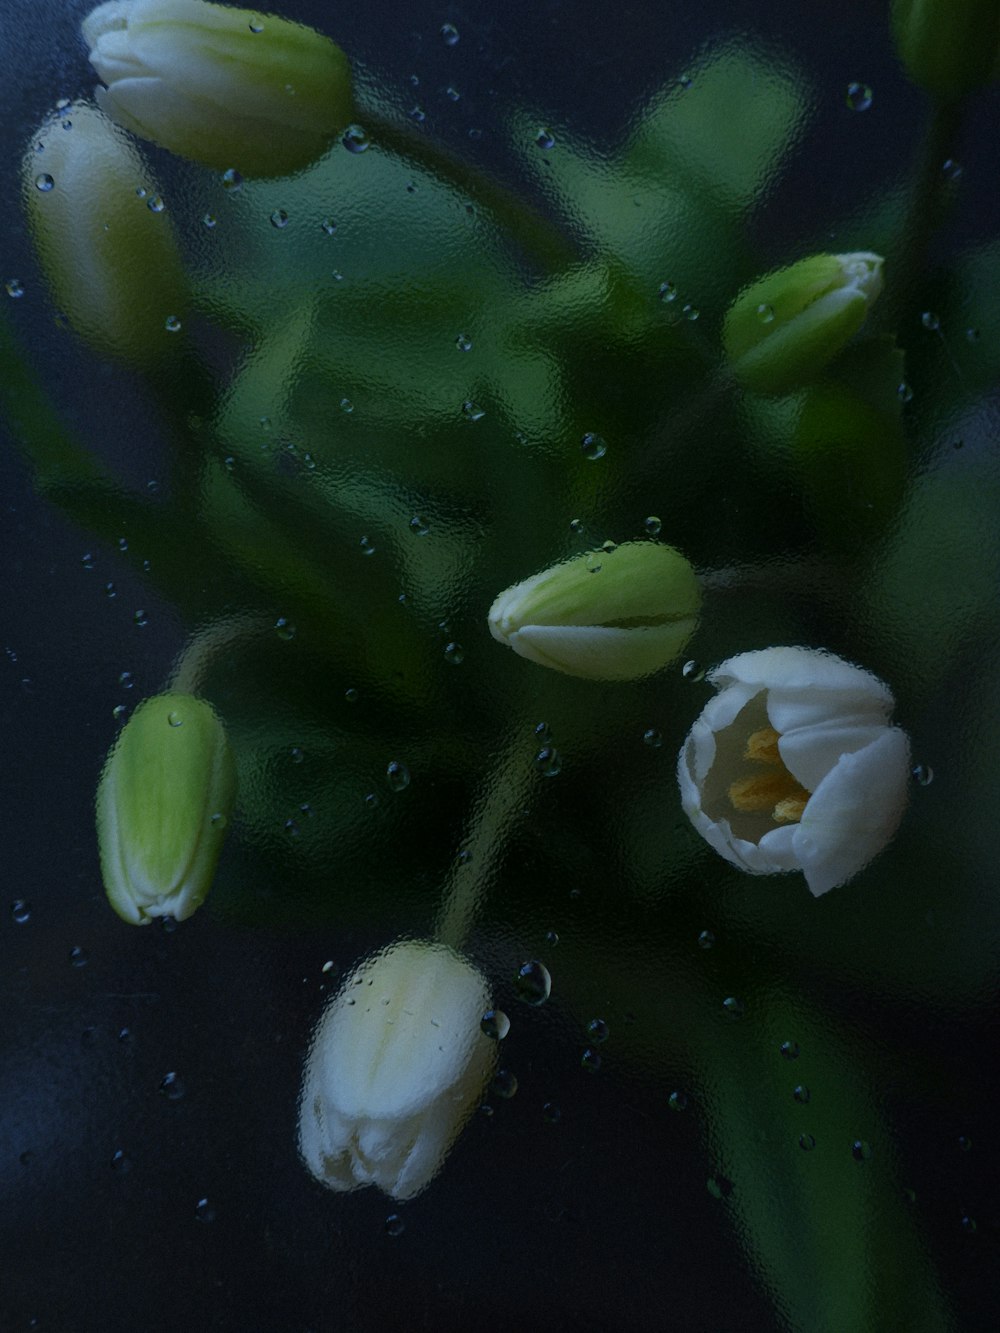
{"x":762,"y":746}
{"x":777,"y":792}
{"x":789,"y":811}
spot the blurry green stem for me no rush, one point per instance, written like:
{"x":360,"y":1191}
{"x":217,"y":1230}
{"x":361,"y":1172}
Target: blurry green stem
{"x":220,"y":636}
{"x":501,"y":799}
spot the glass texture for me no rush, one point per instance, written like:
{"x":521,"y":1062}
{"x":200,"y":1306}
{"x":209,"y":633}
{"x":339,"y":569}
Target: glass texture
{"x":287,"y":403}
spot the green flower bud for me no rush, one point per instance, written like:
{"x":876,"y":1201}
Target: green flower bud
{"x":111,"y":261}
{"x":948,"y":47}
{"x":162,"y":804}
{"x":615,"y":614}
{"x":783,"y":329}
{"x":224,"y":87}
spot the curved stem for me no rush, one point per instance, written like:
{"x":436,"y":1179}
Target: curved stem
{"x":194,"y":663}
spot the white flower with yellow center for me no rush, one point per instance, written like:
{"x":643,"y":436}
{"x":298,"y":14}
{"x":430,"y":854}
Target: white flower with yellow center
{"x":795,"y":766}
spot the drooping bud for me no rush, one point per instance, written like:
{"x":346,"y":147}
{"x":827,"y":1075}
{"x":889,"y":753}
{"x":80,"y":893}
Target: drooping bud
{"x":228,"y":88}
{"x":162,"y":804}
{"x":949,"y":47}
{"x":105,"y":245}
{"x":615,"y":614}
{"x":782,"y":330}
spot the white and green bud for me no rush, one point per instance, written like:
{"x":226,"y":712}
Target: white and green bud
{"x":782,"y":330}
{"x":615,"y":614}
{"x":108,"y":252}
{"x":949,"y":47}
{"x":162,"y":804}
{"x":228,"y":88}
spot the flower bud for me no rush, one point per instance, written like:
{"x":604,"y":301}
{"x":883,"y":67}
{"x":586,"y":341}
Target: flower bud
{"x":112,"y":262}
{"x":396,"y":1064}
{"x":948,"y":47}
{"x":615,"y":614}
{"x":162,"y":804}
{"x":795,"y":766}
{"x":783,"y":329}
{"x":221,"y":86}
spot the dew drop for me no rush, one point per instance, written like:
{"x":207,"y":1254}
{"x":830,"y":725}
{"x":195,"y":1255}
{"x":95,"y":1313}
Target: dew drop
{"x":969,"y":1225}
{"x":394,"y":1225}
{"x":504,"y":1084}
{"x":905,"y":392}
{"x":548,"y":761}
{"x":156,"y":203}
{"x":965,"y":1143}
{"x":667,"y":292}
{"x":120,"y":1162}
{"x":533,"y":982}
{"x":807,"y":1142}
{"x":923,"y":775}
{"x":593,"y":446}
{"x":346,"y":405}
{"x":545,"y":139}
{"x":175,"y":719}
{"x":232,"y":180}
{"x":861,"y":1150}
{"x":204,"y":1212}
{"x":598,"y":1030}
{"x":279,"y":219}
{"x":495,"y":1024}
{"x":551,"y":1113}
{"x":44,"y":182}
{"x":652,"y":738}
{"x":417,"y":114}
{"x":352,"y":695}
{"x":329,"y":226}
{"x":706,"y":940}
{"x":576,"y":526}
{"x":454,"y":653}
{"x":678,"y":1101}
{"x":765,"y":313}
{"x":734,"y":1007}
{"x":790,"y":1050}
{"x":449,"y":34}
{"x":14,"y":288}
{"x":397,"y":775}
{"x":590,"y":1060}
{"x":355,"y":139}
{"x":453,"y":95}
{"x":930,"y":321}
{"x":284,"y":629}
{"x":172,"y":1087}
{"x":256,"y":25}
{"x":366,"y":546}
{"x":20,"y":911}
{"x":472,"y":411}
{"x":172,"y":324}
{"x":859,"y":96}
{"x":463,"y":342}
{"x":140,"y":618}
{"x":551,"y":938}
{"x":802,"y":1094}
{"x":693,"y":671}
{"x":951,"y":169}
{"x":653,"y":526}
{"x":78,"y":956}
{"x":418,"y":526}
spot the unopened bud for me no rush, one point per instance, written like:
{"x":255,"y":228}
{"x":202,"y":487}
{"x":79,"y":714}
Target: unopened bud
{"x":948,"y":47}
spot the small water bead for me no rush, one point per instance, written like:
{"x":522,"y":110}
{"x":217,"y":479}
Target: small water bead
{"x":734,"y":1008}
{"x":279,"y":219}
{"x":765,"y":313}
{"x":418,"y":526}
{"x":397,"y":775}
{"x":20,"y":911}
{"x":667,"y":292}
{"x":576,"y":526}
{"x":719,"y":1187}
{"x":453,"y":95}
{"x":861,"y":1150}
{"x":120,"y":1162}
{"x":495,"y":1024}
{"x":923,"y":775}
{"x":691,"y":312}
{"x":346,"y":405}
{"x":551,"y":1113}
{"x":930,"y":321}
{"x":284,"y":629}
{"x":355,"y":139}
{"x":256,"y":25}
{"x":14,"y":288}
{"x":653,"y":526}
{"x":504,"y":1084}
{"x":951,"y":169}
{"x":329,"y":226}
{"x":140,"y":618}
{"x":394,"y":1225}
{"x":463,"y":342}
{"x":593,"y":446}
{"x":905,"y":392}
{"x":545,"y":140}
{"x":859,"y":96}
{"x":969,"y":1225}
{"x":802,"y":1094}
{"x":232,"y":180}
{"x":454,"y":653}
{"x":652,"y":738}
{"x":590,"y":1060}
{"x":371,"y":801}
{"x":219,"y":822}
{"x":790,"y":1050}
{"x":965,"y":1143}
{"x":807,"y":1142}
{"x":156,"y":203}
{"x":87,"y":560}
{"x":352,"y":695}
{"x":533,"y":982}
{"x":706,"y":940}
{"x":172,"y":324}
{"x":367,"y":547}
{"x":172,"y":1087}
{"x":598,"y":1030}
{"x":417,"y":114}
{"x":44,"y":182}
{"x":551,"y":938}
{"x":693,"y":671}
{"x":119,"y":713}
{"x":78,"y":956}
{"x":449,"y":34}
{"x":472,"y":411}
{"x":678,"y":1101}
{"x":204,"y":1212}
{"x":548,"y":761}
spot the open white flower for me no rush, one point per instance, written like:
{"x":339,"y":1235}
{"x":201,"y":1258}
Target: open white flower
{"x":397,"y":1062}
{"x":794,"y":766}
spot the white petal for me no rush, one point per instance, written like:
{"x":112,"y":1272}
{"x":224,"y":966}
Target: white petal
{"x":809,"y":753}
{"x":595,"y":652}
{"x":437,"y":1131}
{"x":853,"y":812}
{"x":778,"y":847}
{"x":799,"y":669}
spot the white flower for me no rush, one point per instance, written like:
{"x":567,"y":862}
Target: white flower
{"x":396,"y":1064}
{"x":794,"y":766}
{"x":222,"y":86}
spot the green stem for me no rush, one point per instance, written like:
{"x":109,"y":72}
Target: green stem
{"x":195,"y":662}
{"x":500,"y":801}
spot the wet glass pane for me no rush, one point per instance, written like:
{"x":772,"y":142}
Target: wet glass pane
{"x":499,"y":711}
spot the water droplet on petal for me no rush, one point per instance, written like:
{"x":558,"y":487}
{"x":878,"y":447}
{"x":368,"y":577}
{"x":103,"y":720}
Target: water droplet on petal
{"x":156,"y":203}
{"x":454,"y":653}
{"x":418,"y":526}
{"x":652,"y":738}
{"x":472,"y":411}
{"x":463,"y":342}
{"x":14,"y":288}
{"x":78,"y":956}
{"x":590,"y":1060}
{"x":203,"y":1211}
{"x":533,"y":982}
{"x":905,"y":392}
{"x":44,"y":182}
{"x":765,"y":313}
{"x":923,"y":775}
{"x":802,"y":1094}
{"x":284,"y":629}
{"x":668,"y":292}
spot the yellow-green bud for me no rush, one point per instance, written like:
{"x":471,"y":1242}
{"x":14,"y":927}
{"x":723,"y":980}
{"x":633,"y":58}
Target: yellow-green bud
{"x":948,"y":47}
{"x":783,"y":329}
{"x":614,"y":614}
{"x":228,"y":88}
{"x":109,"y":254}
{"x":162,"y":804}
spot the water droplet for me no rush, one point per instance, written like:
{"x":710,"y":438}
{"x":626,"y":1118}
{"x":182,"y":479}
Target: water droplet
{"x":371,"y":801}
{"x":652,"y":738}
{"x":965,"y":1143}
{"x":969,"y":1225}
{"x":218,"y":822}
{"x":472,"y":411}
{"x":802,"y":1094}
{"x":576,"y":525}
{"x":44,"y":182}
{"x":78,"y":956}
{"x":453,"y":95}
{"x":418,"y":526}
{"x":495,"y":1024}
{"x":355,"y":139}
{"x":449,"y":34}
{"x":204,"y":1212}
{"x":232,"y":180}
{"x":684,"y":82}
{"x":765,"y":313}
{"x":14,"y":288}
{"x":593,"y":446}
{"x":551,"y":938}
{"x":256,"y":25}
{"x":284,"y":629}
{"x":394,"y":1225}
{"x":719,"y":1187}
{"x":417,"y":114}
{"x":545,"y":139}
{"x":923,"y":775}
{"x":790,"y":1050}
{"x":454,"y":653}
{"x":123,"y":543}
{"x":175,"y":719}
{"x":590,"y":1060}
{"x":156,"y":203}
{"x":533,"y":982}
{"x":463,"y":342}
{"x":20,"y":911}
{"x":367,"y":548}
{"x":678,"y":1101}
{"x":706,"y":940}
{"x":548,"y":761}
{"x":667,"y":292}
{"x":905,"y":392}
{"x":807,"y":1142}
{"x":734,"y":1007}
{"x":352,"y":695}
{"x":120,"y":1162}
{"x":172,"y":1087}
{"x":691,"y":312}
{"x":543,"y":731}
{"x":951,"y":169}
{"x":653,"y":526}
{"x":859,"y":96}
{"x":598,"y":1030}
{"x":861,"y":1150}
{"x":119,"y":713}
{"x":140,"y":618}
{"x":346,"y":405}
{"x":972,"y":335}
{"x":930,"y":321}
{"x":279,"y":219}
{"x":551,"y":1113}
{"x":504,"y":1083}
{"x":397,"y":775}
{"x":87,"y":560}
{"x":172,"y":324}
